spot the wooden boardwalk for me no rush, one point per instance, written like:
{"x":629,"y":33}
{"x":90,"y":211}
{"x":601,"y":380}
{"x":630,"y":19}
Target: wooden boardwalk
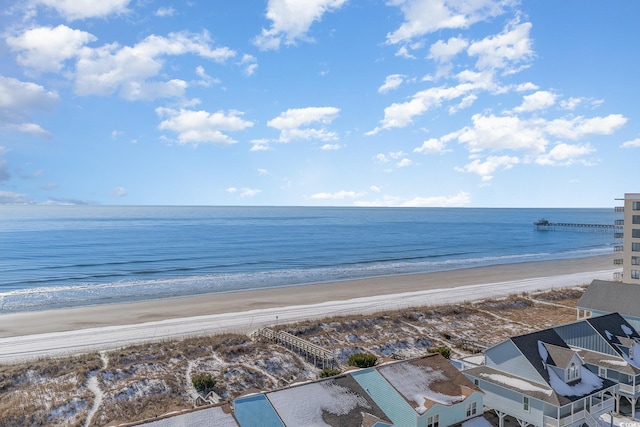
{"x":320,"y":356}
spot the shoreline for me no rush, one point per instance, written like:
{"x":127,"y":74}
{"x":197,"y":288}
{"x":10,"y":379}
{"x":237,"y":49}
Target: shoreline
{"x":157,"y":310}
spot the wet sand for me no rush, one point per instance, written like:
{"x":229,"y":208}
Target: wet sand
{"x":68,"y":319}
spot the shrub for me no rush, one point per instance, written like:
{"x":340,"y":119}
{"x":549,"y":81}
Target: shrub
{"x":203,"y":382}
{"x":329,"y":372}
{"x":444,"y":351}
{"x":363,"y":360}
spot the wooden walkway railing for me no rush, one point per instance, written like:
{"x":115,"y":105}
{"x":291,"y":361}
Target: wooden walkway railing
{"x":321,"y":356}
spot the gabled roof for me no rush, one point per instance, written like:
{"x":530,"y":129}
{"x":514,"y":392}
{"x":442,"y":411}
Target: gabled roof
{"x":539,"y":349}
{"x":613,"y":327}
{"x":427,"y":381}
{"x":611,"y":297}
{"x":559,"y":356}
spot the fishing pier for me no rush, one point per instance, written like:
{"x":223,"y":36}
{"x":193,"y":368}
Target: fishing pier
{"x":545,"y":225}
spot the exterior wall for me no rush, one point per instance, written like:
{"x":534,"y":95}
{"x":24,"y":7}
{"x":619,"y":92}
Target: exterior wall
{"x":386,"y":397}
{"x":582,"y":335}
{"x":511,"y":402}
{"x":256,"y":411}
{"x":507,"y":358}
{"x":628,"y":239}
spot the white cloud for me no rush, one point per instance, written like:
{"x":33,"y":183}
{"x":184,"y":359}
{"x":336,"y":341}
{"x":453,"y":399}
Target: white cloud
{"x":432,"y":146}
{"x":486,"y":168}
{"x":331,"y":147}
{"x":503,"y":50}
{"x":18,"y":99}
{"x":426,"y":16}
{"x":571,"y":103}
{"x":81,"y":9}
{"x":201,"y":126}
{"x":232,"y":190}
{"x":249,"y":192}
{"x":10,"y":198}
{"x":539,"y":100}
{"x":461,"y":199}
{"x":399,"y":115}
{"x":442,"y":51}
{"x":46,"y":48}
{"x":263,"y":172}
{"x":404,"y":163}
{"x":292,"y":123}
{"x":526,"y":87}
{"x":564,"y":154}
{"x":497,"y":133}
{"x":260,"y":145}
{"x":118,"y":192}
{"x":343,"y":194}
{"x":375,"y":188}
{"x":632,"y":143}
{"x":578,"y":127}
{"x":165,"y":11}
{"x":291,"y":20}
{"x":250,"y":64}
{"x":111,"y":68}
{"x":392,"y":82}
{"x":30,"y":128}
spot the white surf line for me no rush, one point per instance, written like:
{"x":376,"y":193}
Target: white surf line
{"x":111,"y":337}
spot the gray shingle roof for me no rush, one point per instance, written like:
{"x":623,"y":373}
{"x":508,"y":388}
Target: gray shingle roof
{"x":612,"y":297}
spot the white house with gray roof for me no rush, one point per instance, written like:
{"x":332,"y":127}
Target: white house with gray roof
{"x":604,"y":297}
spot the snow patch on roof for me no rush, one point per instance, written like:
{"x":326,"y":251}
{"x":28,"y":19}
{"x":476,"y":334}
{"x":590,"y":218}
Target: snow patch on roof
{"x":305,"y":405}
{"x":626,"y":330}
{"x":413,"y":381}
{"x":613,"y":362}
{"x":589,"y":383}
{"x":516,"y":383}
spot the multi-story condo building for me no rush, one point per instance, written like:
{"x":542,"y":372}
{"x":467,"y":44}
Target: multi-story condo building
{"x":630,"y":236}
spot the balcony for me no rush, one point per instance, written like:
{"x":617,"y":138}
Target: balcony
{"x":618,"y":248}
{"x":618,"y":235}
{"x":619,"y":209}
{"x":629,"y":389}
{"x":617,"y":261}
{"x":619,"y":222}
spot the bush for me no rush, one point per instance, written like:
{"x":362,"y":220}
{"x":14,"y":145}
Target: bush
{"x":329,"y":372}
{"x":203,"y":382}
{"x":444,"y":351}
{"x":363,"y":360}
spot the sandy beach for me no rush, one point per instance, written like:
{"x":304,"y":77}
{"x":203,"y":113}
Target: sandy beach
{"x":108,"y":315}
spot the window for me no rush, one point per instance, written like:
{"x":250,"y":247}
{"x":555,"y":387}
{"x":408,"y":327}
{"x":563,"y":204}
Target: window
{"x":636,"y":206}
{"x":635,"y":247}
{"x":476,"y":382}
{"x":635,"y":260}
{"x":525,"y":403}
{"x":573,"y":372}
{"x":433,"y":421}
{"x":635,"y":274}
{"x":635,"y":219}
{"x":602,"y":372}
{"x":472,"y":409}
{"x":635,"y":233}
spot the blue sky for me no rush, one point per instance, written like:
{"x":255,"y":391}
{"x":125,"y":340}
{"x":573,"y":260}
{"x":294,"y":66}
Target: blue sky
{"x":475,"y":103}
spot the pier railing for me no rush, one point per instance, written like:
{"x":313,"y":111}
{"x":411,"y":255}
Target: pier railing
{"x":545,"y":225}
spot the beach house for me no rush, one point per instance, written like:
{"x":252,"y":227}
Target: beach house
{"x":335,"y":401}
{"x":610,"y":346}
{"x":604,"y":297}
{"x":540,"y":381}
{"x":424,"y":392}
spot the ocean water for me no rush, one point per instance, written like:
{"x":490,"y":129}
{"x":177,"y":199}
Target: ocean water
{"x":60,"y":256}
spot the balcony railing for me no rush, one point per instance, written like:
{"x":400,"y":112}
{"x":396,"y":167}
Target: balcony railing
{"x":617,"y":261}
{"x":606,"y":405}
{"x":618,"y":249}
{"x":618,"y":222}
{"x":629,"y":389}
{"x":619,"y":209}
{"x":618,"y":235}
